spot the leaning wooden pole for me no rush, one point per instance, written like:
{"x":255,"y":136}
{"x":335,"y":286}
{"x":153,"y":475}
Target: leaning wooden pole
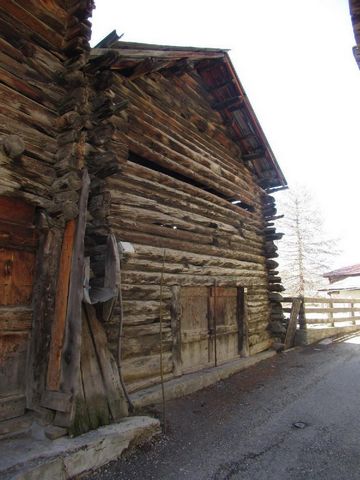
{"x":61,"y":302}
{"x":70,"y":359}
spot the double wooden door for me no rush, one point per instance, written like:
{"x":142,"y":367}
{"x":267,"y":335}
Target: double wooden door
{"x":17,"y":263}
{"x":210,"y":326}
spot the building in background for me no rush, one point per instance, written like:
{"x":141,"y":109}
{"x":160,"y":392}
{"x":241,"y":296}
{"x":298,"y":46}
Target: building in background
{"x":344,"y":282}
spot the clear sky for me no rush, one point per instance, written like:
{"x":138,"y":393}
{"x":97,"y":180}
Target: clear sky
{"x":295,"y":61}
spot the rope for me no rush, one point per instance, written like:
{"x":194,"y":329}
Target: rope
{"x":161,"y":344}
{"x":120,"y":334}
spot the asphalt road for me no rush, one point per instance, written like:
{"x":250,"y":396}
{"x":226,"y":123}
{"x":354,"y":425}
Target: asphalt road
{"x":243,"y":428}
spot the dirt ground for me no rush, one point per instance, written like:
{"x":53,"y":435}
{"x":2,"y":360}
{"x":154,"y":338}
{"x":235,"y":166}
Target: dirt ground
{"x":293,"y":416}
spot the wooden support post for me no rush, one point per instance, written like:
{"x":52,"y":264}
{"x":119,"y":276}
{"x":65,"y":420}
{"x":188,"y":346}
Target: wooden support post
{"x":70,"y":359}
{"x":108,"y":367}
{"x":291,"y":330}
{"x":62,"y":291}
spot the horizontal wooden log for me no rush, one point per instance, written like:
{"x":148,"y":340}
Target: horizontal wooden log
{"x":324,"y":300}
{"x":147,"y":252}
{"x":169,"y":96}
{"x":138,"y":53}
{"x":331,"y":310}
{"x":53,"y":15}
{"x":140,"y":277}
{"x":134,"y":306}
{"x":147,"y":366}
{"x":178,"y":146}
{"x":148,"y":210}
{"x":183,"y":165}
{"x":187,"y":246}
{"x":331,"y":300}
{"x":167,"y":230}
{"x":165,"y":190}
{"x":310,"y":321}
{"x":152,"y":266}
{"x":261,"y":346}
{"x":143,"y":292}
{"x":180,"y":126}
{"x":25,"y":88}
{"x":26,"y":19}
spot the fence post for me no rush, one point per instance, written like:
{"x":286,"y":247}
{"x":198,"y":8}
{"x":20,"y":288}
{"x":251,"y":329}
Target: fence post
{"x":353,"y":313}
{"x":291,"y":330}
{"x":302,"y":316}
{"x":331,"y":315}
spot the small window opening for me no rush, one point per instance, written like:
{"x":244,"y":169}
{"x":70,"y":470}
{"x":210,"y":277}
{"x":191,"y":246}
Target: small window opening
{"x":243,"y":205}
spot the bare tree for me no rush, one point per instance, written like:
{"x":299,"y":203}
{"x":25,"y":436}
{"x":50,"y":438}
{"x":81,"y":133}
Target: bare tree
{"x":305,"y":252}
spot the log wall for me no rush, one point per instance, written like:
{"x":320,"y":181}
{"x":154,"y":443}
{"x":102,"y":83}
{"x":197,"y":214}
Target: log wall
{"x":43,"y":47}
{"x":182,"y":171}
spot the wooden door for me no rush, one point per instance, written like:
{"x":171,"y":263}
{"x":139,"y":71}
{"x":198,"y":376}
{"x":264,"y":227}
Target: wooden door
{"x":17,"y":263}
{"x":210,"y":324}
{"x":224,"y":318}
{"x":194,"y":328}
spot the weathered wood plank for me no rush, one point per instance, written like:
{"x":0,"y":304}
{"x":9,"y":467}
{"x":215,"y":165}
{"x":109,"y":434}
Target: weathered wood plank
{"x":92,"y":381}
{"x":57,"y":401}
{"x":314,"y":321}
{"x":331,"y":310}
{"x":61,"y":302}
{"x":70,"y":361}
{"x":12,"y":406}
{"x":109,"y":371}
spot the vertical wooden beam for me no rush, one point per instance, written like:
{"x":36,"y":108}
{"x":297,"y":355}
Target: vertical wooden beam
{"x":43,"y":308}
{"x":291,"y":330}
{"x":108,"y":367}
{"x":62,"y":291}
{"x":70,"y":360}
{"x":71,"y":357}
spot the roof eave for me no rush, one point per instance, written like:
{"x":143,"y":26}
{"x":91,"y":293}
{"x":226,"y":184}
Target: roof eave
{"x":163,"y":57}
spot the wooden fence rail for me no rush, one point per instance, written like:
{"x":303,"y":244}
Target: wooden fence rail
{"x":315,"y":312}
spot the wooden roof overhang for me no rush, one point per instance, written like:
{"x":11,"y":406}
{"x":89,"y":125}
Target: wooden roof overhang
{"x":220,"y":80}
{"x":350,"y":271}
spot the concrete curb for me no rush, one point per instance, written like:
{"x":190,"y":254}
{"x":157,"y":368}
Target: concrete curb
{"x":193,"y":382}
{"x":313,"y":335}
{"x":65,"y":458}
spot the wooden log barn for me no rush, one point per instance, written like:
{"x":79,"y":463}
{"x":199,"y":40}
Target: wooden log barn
{"x":136,"y":216}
